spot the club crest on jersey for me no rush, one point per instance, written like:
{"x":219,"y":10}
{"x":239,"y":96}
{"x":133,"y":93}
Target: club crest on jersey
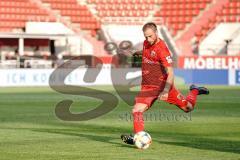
{"x":153,"y":53}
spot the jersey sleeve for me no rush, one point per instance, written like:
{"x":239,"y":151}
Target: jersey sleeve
{"x":165,"y":57}
{"x":144,"y":44}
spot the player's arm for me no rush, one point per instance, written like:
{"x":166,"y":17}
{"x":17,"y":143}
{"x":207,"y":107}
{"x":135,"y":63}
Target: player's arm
{"x":166,"y":61}
{"x":170,"y":79}
{"x":169,"y":82}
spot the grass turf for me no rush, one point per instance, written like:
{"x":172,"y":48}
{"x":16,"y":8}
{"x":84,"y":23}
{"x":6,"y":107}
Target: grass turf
{"x":29,"y":128}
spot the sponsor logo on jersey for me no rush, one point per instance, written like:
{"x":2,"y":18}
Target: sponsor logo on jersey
{"x":146,"y":60}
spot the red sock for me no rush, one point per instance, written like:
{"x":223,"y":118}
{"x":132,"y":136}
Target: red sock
{"x":138,"y":122}
{"x":192,"y":96}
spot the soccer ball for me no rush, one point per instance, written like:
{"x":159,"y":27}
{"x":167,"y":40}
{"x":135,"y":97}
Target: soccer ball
{"x":142,"y":140}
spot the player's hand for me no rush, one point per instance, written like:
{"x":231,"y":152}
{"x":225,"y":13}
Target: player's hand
{"x":163,"y":96}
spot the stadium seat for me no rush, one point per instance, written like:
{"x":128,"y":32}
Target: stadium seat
{"x":229,"y":13}
{"x":14,"y":14}
{"x":78,"y":13}
{"x":110,"y":9}
{"x":184,"y":10}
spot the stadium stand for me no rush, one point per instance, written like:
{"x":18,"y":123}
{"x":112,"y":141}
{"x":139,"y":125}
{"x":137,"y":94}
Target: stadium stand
{"x":189,"y":22}
{"x":78,"y":13}
{"x":131,"y":12}
{"x":199,"y":28}
{"x":218,"y":40}
{"x":14,"y":14}
{"x":230,"y":13}
{"x":177,"y":14}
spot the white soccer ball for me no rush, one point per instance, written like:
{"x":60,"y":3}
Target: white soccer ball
{"x":142,"y":140}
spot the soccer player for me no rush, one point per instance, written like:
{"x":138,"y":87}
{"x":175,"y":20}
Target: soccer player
{"x":158,"y":81}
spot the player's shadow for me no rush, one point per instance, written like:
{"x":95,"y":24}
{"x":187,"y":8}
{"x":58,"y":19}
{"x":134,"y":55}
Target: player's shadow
{"x":74,"y":132}
{"x":193,"y":141}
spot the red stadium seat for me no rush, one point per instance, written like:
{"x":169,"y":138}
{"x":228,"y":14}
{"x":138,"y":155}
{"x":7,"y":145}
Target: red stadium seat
{"x":229,"y":13}
{"x":16,"y":13}
{"x":123,"y":8}
{"x":184,"y":10}
{"x":77,"y":13}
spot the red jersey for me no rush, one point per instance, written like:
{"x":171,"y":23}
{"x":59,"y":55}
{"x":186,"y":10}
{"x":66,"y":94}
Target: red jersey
{"x":155,"y":59}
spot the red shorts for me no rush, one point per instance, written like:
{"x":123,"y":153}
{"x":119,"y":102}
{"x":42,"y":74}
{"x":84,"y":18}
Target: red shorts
{"x":149,"y":94}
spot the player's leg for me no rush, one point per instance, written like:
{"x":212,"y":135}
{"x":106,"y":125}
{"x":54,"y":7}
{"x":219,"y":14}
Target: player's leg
{"x":191,"y":99}
{"x":176,"y":98}
{"x":192,"y":96}
{"x":143,"y":102}
{"x":138,"y":122}
{"x":186,"y":103}
{"x":141,"y":105}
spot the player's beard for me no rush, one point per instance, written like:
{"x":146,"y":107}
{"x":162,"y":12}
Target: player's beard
{"x":155,"y":41}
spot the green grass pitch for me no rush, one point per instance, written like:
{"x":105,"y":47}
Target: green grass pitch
{"x":29,"y":128}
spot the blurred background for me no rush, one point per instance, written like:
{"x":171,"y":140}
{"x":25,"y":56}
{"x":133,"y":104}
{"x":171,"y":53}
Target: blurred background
{"x":202,"y":35}
{"x":100,"y":41}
